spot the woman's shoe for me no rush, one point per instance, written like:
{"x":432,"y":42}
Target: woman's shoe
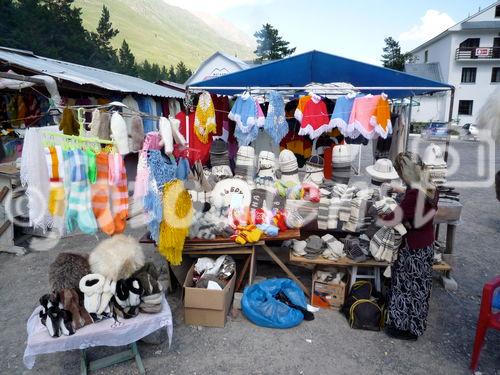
{"x":399,"y":334}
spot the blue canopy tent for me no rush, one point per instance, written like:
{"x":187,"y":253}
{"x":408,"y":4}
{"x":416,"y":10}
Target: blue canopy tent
{"x":294,"y":73}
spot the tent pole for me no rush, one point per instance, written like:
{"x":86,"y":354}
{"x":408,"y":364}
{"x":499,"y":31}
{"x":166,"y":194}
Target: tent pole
{"x":284,"y":88}
{"x":450,"y":118}
{"x":407,"y":141}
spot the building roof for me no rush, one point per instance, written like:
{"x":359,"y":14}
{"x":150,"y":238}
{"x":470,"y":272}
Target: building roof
{"x":464,"y":24}
{"x":430,"y":71}
{"x":84,"y":75}
{"x":297,"y":71}
{"x":236,"y":61}
{"x":172,"y":85}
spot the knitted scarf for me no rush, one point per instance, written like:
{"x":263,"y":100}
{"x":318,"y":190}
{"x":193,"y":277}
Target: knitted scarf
{"x":119,"y":191}
{"x":177,"y":218}
{"x":152,"y":142}
{"x":100,"y":196}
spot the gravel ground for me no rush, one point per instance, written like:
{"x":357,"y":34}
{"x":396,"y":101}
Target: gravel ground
{"x":325,"y":345}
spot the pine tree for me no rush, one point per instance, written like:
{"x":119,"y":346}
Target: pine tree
{"x":164,"y":73}
{"x":105,"y":31}
{"x":127,"y":60}
{"x":182,"y":73}
{"x":171,"y":74}
{"x":271,"y":46}
{"x":393,"y":57}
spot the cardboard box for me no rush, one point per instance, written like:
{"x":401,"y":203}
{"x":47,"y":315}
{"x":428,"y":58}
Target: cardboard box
{"x":204,"y":307}
{"x":328,"y":295}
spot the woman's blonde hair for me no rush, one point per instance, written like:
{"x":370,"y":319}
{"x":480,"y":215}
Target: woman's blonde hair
{"x":411,"y":169}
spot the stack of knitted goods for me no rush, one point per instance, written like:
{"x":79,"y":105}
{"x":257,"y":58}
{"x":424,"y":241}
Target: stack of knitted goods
{"x":334,"y":249}
{"x":327,"y":247}
{"x":266,"y":171}
{"x":341,"y":164}
{"x":152,"y":296}
{"x":211,"y":224}
{"x":314,"y":170}
{"x":435,"y":165}
{"x":385,"y":243}
{"x":356,"y":248}
{"x":308,"y":211}
{"x":219,"y":160}
{"x":245,"y":163}
{"x":323,"y":213}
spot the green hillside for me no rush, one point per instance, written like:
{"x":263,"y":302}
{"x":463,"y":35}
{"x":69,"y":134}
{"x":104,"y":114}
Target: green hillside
{"x":160,"y":32}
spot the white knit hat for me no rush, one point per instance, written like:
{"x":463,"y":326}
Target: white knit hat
{"x":289,"y":167}
{"x":245,"y":163}
{"x":341,"y":154}
{"x":433,"y":155}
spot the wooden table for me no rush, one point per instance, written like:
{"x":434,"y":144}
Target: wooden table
{"x":227,"y":246}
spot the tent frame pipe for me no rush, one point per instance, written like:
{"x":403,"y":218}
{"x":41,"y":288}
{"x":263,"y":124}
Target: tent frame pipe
{"x":450,"y":119}
{"x":209,"y":88}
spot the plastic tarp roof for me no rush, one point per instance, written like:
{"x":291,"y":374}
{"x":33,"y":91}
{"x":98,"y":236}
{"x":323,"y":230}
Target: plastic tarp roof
{"x":320,"y":67}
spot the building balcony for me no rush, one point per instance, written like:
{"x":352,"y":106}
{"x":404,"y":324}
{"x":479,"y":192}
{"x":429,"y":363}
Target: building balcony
{"x":477,"y":53}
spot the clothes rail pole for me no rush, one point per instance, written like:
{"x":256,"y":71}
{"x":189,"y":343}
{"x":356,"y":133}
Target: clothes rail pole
{"x":450,"y":119}
{"x":78,"y":138}
{"x":407,"y":140}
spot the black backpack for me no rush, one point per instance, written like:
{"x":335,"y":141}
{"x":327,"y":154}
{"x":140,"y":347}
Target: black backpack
{"x":364,"y":309}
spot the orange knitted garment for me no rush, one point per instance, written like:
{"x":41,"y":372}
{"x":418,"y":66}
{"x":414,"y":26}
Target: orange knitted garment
{"x":383,"y":116}
{"x":100,"y":196}
{"x":119,"y":196}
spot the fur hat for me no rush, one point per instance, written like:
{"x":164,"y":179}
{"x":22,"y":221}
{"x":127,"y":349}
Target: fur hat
{"x":119,"y":133}
{"x":104,"y":130}
{"x":66,"y":271}
{"x":117,"y":257}
{"x":136,"y":134}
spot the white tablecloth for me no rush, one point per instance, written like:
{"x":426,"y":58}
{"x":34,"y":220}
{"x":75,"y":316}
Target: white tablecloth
{"x":104,"y":333}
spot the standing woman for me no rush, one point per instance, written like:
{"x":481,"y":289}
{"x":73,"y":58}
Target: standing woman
{"x":411,"y":279}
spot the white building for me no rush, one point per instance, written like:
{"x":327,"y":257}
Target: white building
{"x":467,"y":56}
{"x":217,"y":65}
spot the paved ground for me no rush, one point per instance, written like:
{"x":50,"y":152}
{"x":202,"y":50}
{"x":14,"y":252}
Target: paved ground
{"x":325,"y":345}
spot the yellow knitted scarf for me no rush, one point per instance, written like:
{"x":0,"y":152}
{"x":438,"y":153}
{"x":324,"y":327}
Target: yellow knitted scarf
{"x":177,"y":217}
{"x":204,"y":117}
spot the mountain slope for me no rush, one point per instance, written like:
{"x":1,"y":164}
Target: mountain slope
{"x":162,"y":33}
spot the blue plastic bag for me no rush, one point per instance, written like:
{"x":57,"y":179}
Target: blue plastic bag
{"x":260,"y":307}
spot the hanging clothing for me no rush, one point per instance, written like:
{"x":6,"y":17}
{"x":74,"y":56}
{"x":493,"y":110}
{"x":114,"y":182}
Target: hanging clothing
{"x":119,"y":191}
{"x":146,"y":106}
{"x":383,"y":125}
{"x":174,"y":107}
{"x":194,"y":142}
{"x":204,"y":120}
{"x":119,"y":133}
{"x":100,"y":196}
{"x":315,"y":118}
{"x":342,"y":112}
{"x":68,"y":124}
{"x":362,"y":116}
{"x":276,"y":125}
{"x":151,"y":142}
{"x":299,"y":111}
{"x":248,"y":118}
{"x":133,"y":108}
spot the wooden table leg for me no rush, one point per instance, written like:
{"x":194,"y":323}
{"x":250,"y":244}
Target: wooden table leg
{"x":243,"y":272}
{"x":252,"y":266}
{"x":138,"y":359}
{"x":283,"y":266}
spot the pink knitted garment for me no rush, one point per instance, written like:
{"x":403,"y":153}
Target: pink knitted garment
{"x":152,"y":142}
{"x":362,"y":112}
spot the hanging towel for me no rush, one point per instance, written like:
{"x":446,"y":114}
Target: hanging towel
{"x":100,"y":196}
{"x":119,"y":133}
{"x":276,"y":125}
{"x":204,"y":119}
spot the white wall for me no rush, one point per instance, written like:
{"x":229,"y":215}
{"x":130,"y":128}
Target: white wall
{"x":431,"y":108}
{"x":217,"y":66}
{"x":440,"y":52}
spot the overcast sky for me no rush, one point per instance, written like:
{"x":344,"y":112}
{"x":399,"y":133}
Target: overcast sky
{"x":354,"y":28}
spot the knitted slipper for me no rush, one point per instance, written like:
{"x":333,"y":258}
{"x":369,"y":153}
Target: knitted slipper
{"x":65,"y":323}
{"x":135,"y":291}
{"x":91,"y":286}
{"x":122,"y":293}
{"x":108,"y":291}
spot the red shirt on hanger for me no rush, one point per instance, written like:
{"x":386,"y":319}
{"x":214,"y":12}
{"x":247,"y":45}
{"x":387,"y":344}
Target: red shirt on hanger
{"x":194,"y":142}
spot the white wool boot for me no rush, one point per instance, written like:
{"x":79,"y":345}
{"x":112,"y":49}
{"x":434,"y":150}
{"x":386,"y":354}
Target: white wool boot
{"x":119,"y":133}
{"x":91,"y":286}
{"x":108,"y":291}
{"x":166,"y":135}
{"x":178,"y":137}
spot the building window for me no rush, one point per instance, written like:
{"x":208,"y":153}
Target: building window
{"x":469,"y":75}
{"x":470,"y":43}
{"x":495,"y":75}
{"x":465,"y":107}
{"x":497,"y":11}
{"x":426,"y":56}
